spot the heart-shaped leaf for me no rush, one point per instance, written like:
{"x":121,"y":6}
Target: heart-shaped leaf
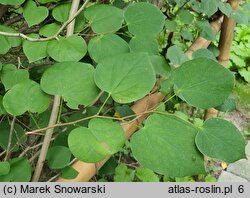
{"x":25,"y":96}
{"x":121,"y":76}
{"x":139,"y":24}
{"x":61,"y":12}
{"x":71,"y":80}
{"x":203,"y":82}
{"x":220,"y":139}
{"x":166,"y":145}
{"x":11,"y":76}
{"x":106,"y":45}
{"x":72,"y":48}
{"x":104,"y":18}
{"x":103,"y":137}
{"x":33,"y":14}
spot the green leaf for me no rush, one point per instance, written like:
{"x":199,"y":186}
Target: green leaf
{"x":102,"y":138}
{"x":206,"y":84}
{"x":185,"y":16}
{"x":123,"y":174}
{"x":187,"y":35}
{"x":206,"y":31}
{"x":5,"y":45}
{"x":176,"y":55}
{"x":4,"y":168}
{"x":209,"y":7}
{"x":72,"y":48}
{"x":240,"y":17}
{"x":41,"y":119}
{"x":166,"y":86}
{"x":11,"y":2}
{"x":20,"y":171}
{"x":11,"y":76}
{"x":49,"y":30}
{"x":160,"y":65}
{"x":25,"y":96}
{"x":237,"y":60}
{"x":58,"y":157}
{"x":166,"y":145}
{"x":228,"y":105}
{"x":210,"y":178}
{"x":120,"y":76}
{"x":69,"y":173}
{"x":80,"y":22}
{"x":35,"y":50}
{"x":2,"y":110}
{"x":61,"y":12}
{"x":144,"y":43}
{"x":13,"y":41}
{"x":103,"y":46}
{"x":171,"y":25}
{"x":108,"y":168}
{"x":72,"y":81}
{"x":104,"y":18}
{"x":245,"y":74}
{"x":33,"y":14}
{"x":225,"y":8}
{"x":5,"y":133}
{"x":203,"y":52}
{"x":220,"y":139}
{"x":139,"y":23}
{"x":146,"y":175}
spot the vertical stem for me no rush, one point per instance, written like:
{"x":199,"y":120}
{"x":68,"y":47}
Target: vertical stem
{"x":225,"y":42}
{"x":10,"y":139}
{"x":56,"y":106}
{"x":46,"y":141}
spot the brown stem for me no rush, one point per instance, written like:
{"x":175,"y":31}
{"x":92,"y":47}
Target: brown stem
{"x":225,"y":42}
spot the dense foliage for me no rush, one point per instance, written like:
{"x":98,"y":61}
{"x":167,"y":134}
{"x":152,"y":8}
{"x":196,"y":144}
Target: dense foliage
{"x":119,"y":51}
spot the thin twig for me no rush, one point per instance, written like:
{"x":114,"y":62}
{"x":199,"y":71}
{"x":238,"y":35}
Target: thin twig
{"x":8,"y":152}
{"x":91,"y":117}
{"x":47,"y":138}
{"x":51,"y":37}
{"x":32,"y":147}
